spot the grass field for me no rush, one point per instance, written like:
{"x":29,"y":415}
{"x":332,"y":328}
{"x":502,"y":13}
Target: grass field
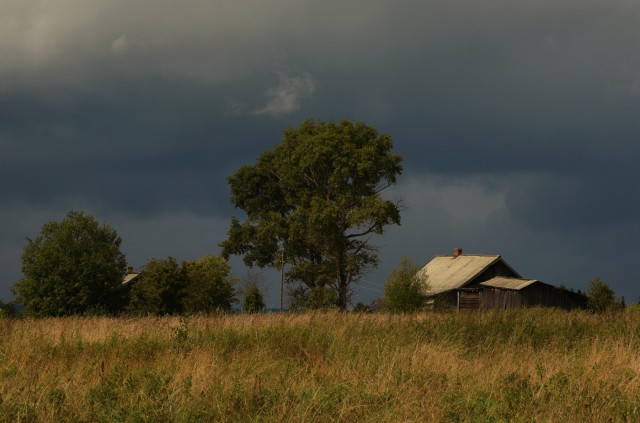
{"x":526,"y":365}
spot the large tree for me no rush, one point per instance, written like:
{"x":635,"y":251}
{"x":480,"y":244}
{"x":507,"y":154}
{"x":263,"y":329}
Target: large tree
{"x":73,"y":267}
{"x":314,"y":202}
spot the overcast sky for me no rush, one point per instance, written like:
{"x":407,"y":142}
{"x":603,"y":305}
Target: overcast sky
{"x":518,"y":121}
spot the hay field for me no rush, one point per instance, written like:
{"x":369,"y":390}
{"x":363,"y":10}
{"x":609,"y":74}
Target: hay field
{"x":525,"y":365}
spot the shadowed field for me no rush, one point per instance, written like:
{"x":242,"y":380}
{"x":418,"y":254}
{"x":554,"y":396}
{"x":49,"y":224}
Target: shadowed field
{"x":526,"y":365}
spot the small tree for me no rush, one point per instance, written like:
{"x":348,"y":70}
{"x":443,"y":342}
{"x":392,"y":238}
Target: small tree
{"x":73,"y":267}
{"x":403,"y":291}
{"x":160,"y":288}
{"x":601,"y":296}
{"x":253,"y":300}
{"x":7,"y":309}
{"x":3,"y":307}
{"x":250,"y":293}
{"x":209,"y":287}
{"x":303,"y":298}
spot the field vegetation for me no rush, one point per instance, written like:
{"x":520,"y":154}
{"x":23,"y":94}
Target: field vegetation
{"x":522,"y":365}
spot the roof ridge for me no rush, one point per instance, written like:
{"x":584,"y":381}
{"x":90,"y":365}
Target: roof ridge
{"x":468,"y":255}
{"x":514,"y":277}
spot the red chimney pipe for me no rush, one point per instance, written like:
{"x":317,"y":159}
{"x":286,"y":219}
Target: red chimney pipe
{"x":457,"y":252}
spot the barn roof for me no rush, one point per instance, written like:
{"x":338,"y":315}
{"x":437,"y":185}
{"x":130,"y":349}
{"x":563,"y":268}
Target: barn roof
{"x":444,"y":273}
{"x":129,"y":277}
{"x":508,"y":283}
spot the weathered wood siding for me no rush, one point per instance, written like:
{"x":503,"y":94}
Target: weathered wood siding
{"x":491,"y":298}
{"x":537,"y":294}
{"x":468,"y":299}
{"x":444,"y":300}
{"x":450,"y":298}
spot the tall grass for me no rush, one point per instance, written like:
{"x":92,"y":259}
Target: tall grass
{"x":524,"y":365}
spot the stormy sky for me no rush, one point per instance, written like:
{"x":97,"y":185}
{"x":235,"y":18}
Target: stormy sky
{"x":518,"y":121}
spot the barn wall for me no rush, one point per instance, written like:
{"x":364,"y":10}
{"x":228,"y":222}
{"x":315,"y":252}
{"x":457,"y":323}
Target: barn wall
{"x":537,"y":294}
{"x":445,"y":300}
{"x":469,"y":299}
{"x":549,"y":296}
{"x":492,"y":298}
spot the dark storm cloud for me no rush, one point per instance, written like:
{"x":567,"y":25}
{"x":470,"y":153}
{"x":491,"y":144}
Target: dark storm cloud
{"x":594,"y":200}
{"x":135,"y":114}
{"x":158,"y":148}
{"x":138,"y":110}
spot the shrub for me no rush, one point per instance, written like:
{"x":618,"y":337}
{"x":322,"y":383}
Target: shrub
{"x":253,"y":300}
{"x":601,"y":296}
{"x":404,"y":292}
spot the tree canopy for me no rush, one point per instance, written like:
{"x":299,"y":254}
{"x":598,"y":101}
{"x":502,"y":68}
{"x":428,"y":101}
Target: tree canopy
{"x":209,"y":287}
{"x":73,"y":267}
{"x":314,"y":202}
{"x":198,"y":286}
{"x":160,"y":289}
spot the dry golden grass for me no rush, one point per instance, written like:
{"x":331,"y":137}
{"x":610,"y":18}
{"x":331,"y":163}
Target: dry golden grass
{"x":527,"y":365}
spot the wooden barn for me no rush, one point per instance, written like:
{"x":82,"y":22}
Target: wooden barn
{"x":482,"y":282}
{"x":503,"y":293}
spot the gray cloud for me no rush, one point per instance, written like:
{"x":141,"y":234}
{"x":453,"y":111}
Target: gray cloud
{"x":120,"y":45}
{"x":517,"y":121}
{"x":285,"y":97}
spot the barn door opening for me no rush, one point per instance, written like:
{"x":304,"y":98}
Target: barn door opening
{"x":468,"y":299}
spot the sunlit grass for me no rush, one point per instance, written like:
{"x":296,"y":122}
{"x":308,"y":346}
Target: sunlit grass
{"x":526,"y":365}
